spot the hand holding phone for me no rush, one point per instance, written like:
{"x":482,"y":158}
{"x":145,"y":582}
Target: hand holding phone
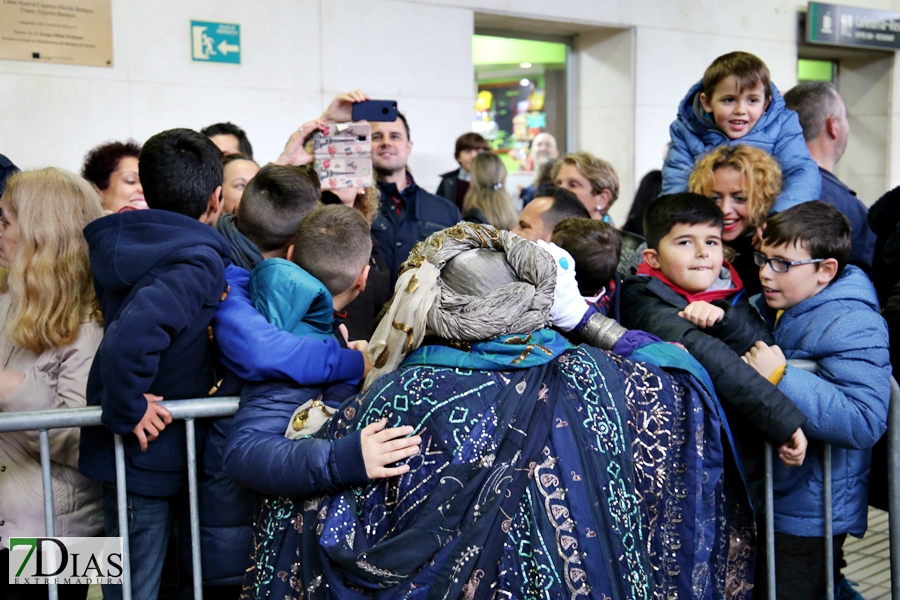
{"x":375,"y":110}
{"x":340,"y":109}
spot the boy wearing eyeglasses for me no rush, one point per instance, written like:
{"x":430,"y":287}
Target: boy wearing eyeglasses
{"x":824,"y":310}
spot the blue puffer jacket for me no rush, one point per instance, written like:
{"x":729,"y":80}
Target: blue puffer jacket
{"x":778,"y":132}
{"x":257,"y":455}
{"x":846,"y":403}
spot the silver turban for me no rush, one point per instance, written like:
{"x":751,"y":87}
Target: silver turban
{"x":469,"y":282}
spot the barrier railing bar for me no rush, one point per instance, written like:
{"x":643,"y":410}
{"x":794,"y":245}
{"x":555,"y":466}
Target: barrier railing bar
{"x":122,"y":507}
{"x":829,"y":523}
{"x":47,"y":481}
{"x":196,"y":408}
{"x":188,"y":410}
{"x":194,"y":509}
{"x":894,"y":487}
{"x":770,"y":523}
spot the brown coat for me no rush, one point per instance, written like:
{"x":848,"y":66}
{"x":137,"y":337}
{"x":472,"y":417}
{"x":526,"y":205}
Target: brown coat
{"x":54,"y":379}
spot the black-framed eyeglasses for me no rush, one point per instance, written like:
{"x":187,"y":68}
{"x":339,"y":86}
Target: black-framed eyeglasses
{"x":780,"y":265}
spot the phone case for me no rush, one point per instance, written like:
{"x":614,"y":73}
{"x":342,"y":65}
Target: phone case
{"x":343,"y":158}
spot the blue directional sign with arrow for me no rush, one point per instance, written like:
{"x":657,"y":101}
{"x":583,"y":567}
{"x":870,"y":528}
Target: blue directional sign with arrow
{"x":216,"y":42}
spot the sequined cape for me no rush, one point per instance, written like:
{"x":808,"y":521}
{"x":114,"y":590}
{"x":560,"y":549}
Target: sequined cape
{"x":570,"y":473}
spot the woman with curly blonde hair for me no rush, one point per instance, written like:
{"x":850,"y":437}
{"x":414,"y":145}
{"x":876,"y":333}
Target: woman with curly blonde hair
{"x":47,"y":344}
{"x":744,"y":181}
{"x":486,"y":201}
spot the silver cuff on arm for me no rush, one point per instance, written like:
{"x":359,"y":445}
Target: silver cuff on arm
{"x":602,"y":332}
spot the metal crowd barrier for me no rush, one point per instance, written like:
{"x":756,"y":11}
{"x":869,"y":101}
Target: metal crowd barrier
{"x":187,"y":410}
{"x":893,"y":433}
{"x":202,"y":408}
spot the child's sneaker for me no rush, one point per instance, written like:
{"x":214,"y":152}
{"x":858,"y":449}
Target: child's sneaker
{"x":846,"y":590}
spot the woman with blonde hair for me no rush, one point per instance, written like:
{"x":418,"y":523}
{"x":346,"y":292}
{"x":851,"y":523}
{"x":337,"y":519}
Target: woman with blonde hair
{"x":486,"y":201}
{"x":592,"y":179}
{"x":47,"y":344}
{"x":744,"y":181}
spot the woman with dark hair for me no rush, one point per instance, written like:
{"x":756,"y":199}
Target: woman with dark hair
{"x":237,"y":171}
{"x":650,"y":188}
{"x":113,"y":169}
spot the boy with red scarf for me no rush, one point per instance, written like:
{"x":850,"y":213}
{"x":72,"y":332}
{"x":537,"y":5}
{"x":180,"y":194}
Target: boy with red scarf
{"x":686,"y":292}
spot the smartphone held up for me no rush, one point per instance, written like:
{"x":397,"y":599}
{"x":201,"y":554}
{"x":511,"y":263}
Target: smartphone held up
{"x":343,"y":157}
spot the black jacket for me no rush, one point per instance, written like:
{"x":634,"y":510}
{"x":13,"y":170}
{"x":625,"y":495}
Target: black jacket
{"x":650,"y":305}
{"x":884,"y":220}
{"x":447,"y":188}
{"x":7,"y":170}
{"x":422,"y":215}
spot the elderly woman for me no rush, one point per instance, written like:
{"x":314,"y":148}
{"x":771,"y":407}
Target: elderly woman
{"x":592,"y":179}
{"x":50,"y":335}
{"x":744,"y":181}
{"x":113,"y":169}
{"x":545,"y":470}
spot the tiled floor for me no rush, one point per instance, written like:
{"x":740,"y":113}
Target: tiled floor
{"x":868,"y":559}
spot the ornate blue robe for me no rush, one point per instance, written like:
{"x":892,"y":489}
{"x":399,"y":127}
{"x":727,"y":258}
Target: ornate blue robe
{"x":545,"y":472}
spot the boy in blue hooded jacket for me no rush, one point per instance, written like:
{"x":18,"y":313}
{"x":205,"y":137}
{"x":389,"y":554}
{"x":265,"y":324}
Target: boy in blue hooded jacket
{"x":824,"y":310}
{"x":736,"y":103}
{"x":328,"y":267}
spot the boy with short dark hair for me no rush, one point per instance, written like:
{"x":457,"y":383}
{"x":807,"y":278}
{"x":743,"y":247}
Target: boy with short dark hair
{"x":595,"y":247}
{"x":685,"y":280}
{"x":736,"y":103}
{"x":159,"y":275}
{"x":824,"y":310}
{"x":274,"y":204}
{"x":328,"y":267}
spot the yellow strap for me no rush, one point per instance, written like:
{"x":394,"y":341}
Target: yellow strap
{"x":776,"y":375}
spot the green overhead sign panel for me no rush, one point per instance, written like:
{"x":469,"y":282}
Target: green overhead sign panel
{"x":837,"y":25}
{"x":215,"y":42}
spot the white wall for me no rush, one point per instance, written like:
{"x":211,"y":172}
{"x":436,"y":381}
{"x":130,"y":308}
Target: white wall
{"x":298,"y":53}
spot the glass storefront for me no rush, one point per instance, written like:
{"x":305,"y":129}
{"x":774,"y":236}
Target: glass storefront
{"x":521,"y":92}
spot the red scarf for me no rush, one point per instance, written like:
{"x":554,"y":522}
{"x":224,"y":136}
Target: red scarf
{"x":707,"y":296}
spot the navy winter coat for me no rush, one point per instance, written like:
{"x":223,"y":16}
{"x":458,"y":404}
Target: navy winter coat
{"x":846,"y":403}
{"x":778,"y":132}
{"x":423,"y":214}
{"x":159,"y":277}
{"x":258,"y":456}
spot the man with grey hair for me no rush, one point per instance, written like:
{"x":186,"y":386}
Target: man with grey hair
{"x":823,"y":117}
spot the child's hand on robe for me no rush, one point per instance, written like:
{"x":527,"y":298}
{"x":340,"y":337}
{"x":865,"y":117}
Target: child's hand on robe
{"x":381,"y":447}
